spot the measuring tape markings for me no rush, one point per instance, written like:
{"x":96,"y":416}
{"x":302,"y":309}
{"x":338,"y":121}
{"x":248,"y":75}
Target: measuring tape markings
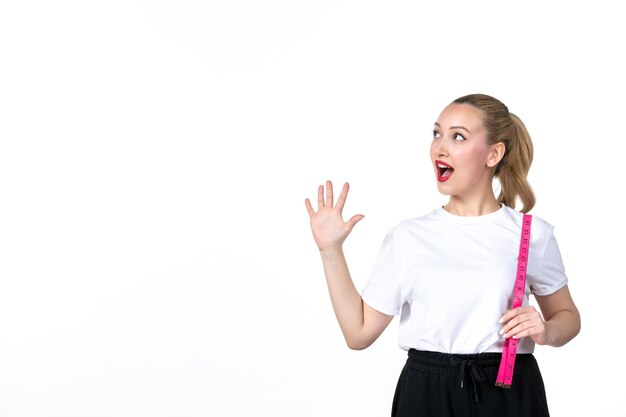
{"x":507,"y":363}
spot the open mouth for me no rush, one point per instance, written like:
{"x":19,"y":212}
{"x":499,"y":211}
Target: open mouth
{"x":444,"y":171}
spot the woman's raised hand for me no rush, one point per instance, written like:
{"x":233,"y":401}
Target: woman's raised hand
{"x":329,"y":229}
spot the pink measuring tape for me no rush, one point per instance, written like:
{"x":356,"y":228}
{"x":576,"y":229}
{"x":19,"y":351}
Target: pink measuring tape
{"x":507,"y":363}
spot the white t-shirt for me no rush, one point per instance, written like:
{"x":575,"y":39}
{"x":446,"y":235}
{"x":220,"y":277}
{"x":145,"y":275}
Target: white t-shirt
{"x":451,"y":278}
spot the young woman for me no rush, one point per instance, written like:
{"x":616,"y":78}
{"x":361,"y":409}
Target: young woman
{"x":451,"y":273}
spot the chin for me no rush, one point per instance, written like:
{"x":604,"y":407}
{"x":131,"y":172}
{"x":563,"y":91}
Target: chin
{"x":442,"y":190}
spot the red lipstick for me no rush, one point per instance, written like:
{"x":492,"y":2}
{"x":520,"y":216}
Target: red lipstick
{"x":444,"y":171}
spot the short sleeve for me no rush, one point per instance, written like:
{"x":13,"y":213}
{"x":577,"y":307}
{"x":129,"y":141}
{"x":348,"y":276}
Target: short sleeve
{"x":383,"y":290}
{"x":551,"y":276}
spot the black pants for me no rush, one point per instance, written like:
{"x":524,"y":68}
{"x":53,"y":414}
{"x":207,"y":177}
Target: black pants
{"x":434,"y":384}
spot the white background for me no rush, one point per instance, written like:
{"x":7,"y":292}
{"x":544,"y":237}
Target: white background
{"x":155,"y":252}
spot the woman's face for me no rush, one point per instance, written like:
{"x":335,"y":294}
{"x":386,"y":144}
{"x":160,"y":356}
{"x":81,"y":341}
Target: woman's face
{"x":462,"y":159}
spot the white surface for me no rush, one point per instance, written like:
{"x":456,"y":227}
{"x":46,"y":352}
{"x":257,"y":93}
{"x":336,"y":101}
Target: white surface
{"x":155,"y":252}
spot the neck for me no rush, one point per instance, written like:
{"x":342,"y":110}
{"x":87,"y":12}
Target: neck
{"x":472,"y":207}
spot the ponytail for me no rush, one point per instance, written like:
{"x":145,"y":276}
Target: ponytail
{"x":512,"y":170}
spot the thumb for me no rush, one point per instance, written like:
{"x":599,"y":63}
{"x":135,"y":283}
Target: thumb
{"x":354,"y":220}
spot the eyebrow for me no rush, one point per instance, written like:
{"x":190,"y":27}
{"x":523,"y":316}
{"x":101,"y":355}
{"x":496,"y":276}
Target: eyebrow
{"x":455,"y":127}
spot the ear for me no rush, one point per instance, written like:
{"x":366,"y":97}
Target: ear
{"x":496,"y":153}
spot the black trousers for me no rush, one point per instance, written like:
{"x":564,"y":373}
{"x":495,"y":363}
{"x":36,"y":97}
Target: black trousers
{"x":434,"y":384}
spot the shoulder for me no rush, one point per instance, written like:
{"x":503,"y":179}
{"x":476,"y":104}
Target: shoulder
{"x":412,"y":226}
{"x":411,"y":234}
{"x":541,"y":230}
{"x":537,"y":220}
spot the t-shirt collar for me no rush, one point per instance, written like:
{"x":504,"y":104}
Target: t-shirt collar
{"x":485,"y":218}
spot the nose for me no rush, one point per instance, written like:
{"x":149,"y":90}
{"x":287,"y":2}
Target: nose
{"x":439,"y":148}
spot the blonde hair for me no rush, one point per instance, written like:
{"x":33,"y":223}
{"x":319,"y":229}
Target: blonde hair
{"x":512,"y":170}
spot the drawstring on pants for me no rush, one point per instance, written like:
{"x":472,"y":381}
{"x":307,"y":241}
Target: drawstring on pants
{"x":475,"y":372}
{"x":429,"y":372}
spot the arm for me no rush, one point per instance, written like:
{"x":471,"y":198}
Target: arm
{"x":561,"y":315}
{"x":562,"y":320}
{"x":361,"y":325}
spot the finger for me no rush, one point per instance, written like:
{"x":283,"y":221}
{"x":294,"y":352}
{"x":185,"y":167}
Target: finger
{"x":341,"y":201}
{"x":525,"y":329}
{"x":516,"y":330}
{"x":524,"y":333}
{"x":527,"y":321}
{"x":510,"y":314}
{"x":309,"y":208}
{"x":512,"y":323}
{"x":504,"y":316}
{"x":320,"y":197}
{"x":354,"y":220}
{"x":329,"y":194}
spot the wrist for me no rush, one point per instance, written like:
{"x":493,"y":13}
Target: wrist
{"x":331,"y":251}
{"x":551,"y":336}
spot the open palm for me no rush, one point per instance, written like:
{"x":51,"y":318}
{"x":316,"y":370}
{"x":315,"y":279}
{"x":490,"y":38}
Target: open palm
{"x":329,"y":229}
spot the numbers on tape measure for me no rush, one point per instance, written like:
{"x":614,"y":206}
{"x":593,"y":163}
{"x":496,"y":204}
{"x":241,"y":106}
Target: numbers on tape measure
{"x":507,"y":363}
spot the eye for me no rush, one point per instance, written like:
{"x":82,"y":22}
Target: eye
{"x":458,"y":137}
{"x":436,"y":134}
